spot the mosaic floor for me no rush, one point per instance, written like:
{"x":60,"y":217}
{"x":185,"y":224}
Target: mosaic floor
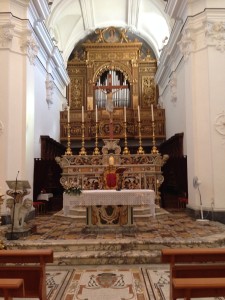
{"x":175,"y":226}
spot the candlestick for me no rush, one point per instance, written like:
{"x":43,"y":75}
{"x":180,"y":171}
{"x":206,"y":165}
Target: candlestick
{"x":125,"y":150}
{"x":96,"y":150}
{"x":68,"y":114}
{"x":69,"y":94}
{"x":139,"y":117}
{"x":154,"y":148}
{"x":152,"y":113}
{"x":82,"y":150}
{"x":140,"y":149}
{"x":125,"y":114}
{"x":68,"y":149}
{"x":82,"y":114}
{"x":96,"y":112}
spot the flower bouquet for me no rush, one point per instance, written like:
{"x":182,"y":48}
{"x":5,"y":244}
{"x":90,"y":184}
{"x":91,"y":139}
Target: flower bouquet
{"x":72,"y":188}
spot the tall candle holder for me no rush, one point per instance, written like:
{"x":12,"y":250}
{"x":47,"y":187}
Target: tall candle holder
{"x":82,"y":150}
{"x":125,"y":150}
{"x":68,"y":149}
{"x":154,"y":148}
{"x":96,"y":150}
{"x":140,"y":149}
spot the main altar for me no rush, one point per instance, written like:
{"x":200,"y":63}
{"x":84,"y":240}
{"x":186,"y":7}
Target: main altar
{"x":113,"y":122}
{"x":112,"y":183}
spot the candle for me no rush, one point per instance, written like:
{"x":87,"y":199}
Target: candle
{"x":139,"y":117}
{"x":96,"y":112}
{"x":152,"y":113}
{"x":125,"y":114}
{"x":68,"y":114}
{"x":82,"y":114}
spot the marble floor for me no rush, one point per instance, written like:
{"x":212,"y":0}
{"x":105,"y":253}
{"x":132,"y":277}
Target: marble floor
{"x":175,"y":226}
{"x":167,"y":229}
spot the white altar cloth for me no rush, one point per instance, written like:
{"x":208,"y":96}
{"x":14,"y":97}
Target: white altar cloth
{"x":110,"y":197}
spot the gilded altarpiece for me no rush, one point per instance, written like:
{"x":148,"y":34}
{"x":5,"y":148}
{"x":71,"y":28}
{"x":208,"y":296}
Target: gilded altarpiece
{"x":112,"y":51}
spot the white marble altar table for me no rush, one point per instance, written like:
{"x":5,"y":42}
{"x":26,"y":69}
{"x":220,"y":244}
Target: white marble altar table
{"x":110,"y":197}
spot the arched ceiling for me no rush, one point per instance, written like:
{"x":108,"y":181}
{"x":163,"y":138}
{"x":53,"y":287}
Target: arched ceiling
{"x":72,"y":20}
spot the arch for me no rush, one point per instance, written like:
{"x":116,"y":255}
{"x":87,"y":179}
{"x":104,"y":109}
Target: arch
{"x":116,"y":67}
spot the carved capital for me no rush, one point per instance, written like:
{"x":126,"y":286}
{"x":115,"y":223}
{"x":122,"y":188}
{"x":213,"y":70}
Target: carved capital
{"x":6,"y":34}
{"x":173,"y":87}
{"x":186,"y":43}
{"x":49,"y":89}
{"x":215,"y":33}
{"x":1,"y":128}
{"x":30,"y":47}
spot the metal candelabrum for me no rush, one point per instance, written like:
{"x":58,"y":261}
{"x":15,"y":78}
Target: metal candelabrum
{"x":125,"y":150}
{"x":96,"y":150}
{"x":82,"y":150}
{"x":140,"y":149}
{"x":68,"y":149}
{"x":154,"y":148}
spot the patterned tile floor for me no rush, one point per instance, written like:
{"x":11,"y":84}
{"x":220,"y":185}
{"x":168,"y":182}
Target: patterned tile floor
{"x":175,"y":226}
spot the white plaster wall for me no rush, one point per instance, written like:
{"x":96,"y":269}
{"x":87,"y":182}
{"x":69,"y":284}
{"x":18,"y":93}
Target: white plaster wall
{"x":175,"y":108}
{"x":196,"y":52}
{"x":217,"y":108}
{"x":4,"y":96}
{"x":204,"y":146}
{"x":47,"y":117}
{"x":23,"y":89}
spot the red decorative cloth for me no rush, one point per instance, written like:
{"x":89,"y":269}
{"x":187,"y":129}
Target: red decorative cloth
{"x":111,"y":180}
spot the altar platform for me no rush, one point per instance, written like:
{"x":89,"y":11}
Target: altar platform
{"x":72,"y":245}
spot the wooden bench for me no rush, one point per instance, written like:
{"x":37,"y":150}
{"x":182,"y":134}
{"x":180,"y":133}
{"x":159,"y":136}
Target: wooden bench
{"x":12,"y":287}
{"x":28,"y":265}
{"x":188,"y":288}
{"x":193,"y":264}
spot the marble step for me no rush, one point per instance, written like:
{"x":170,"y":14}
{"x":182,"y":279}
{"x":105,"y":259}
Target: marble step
{"x":107,"y":257}
{"x":82,"y":245}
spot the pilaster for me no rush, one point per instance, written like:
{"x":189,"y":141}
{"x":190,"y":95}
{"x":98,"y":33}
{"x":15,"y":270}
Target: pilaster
{"x":33,"y":79}
{"x":191,"y":67}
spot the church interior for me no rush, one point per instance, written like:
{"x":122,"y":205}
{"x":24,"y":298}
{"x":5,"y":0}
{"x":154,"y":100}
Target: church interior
{"x":112,"y":129}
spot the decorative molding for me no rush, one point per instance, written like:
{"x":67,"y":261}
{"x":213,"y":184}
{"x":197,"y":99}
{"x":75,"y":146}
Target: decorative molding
{"x":186,"y":43}
{"x":31,"y":48}
{"x":220,"y":123}
{"x":215,"y":32}
{"x":6,"y":34}
{"x":1,"y":128}
{"x":49,"y":89}
{"x":173,"y":87}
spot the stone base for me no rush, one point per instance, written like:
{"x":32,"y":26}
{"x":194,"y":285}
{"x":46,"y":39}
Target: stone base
{"x":18,"y":233}
{"x":203,"y":221}
{"x":110,"y":229}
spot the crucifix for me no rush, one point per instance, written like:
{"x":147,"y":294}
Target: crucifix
{"x":107,"y":89}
